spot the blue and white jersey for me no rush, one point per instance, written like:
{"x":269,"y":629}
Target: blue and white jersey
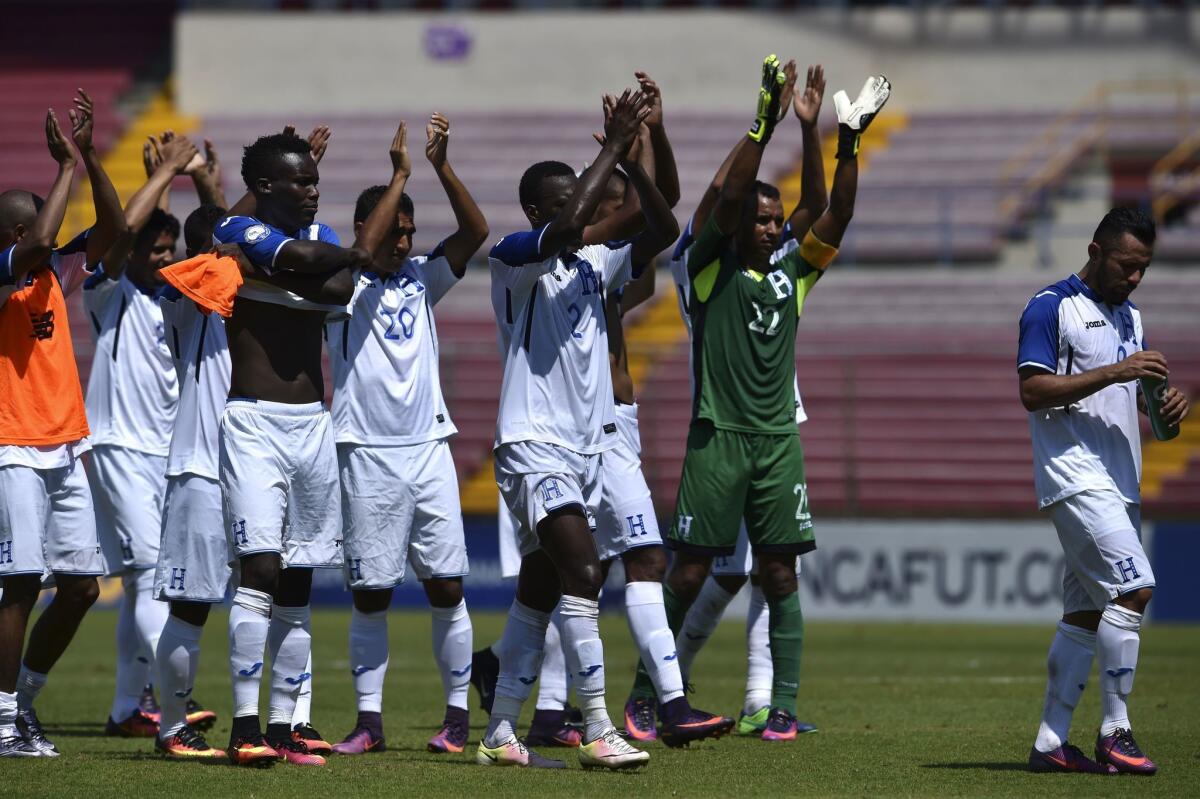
{"x":201,"y":355}
{"x":387,"y":388}
{"x":261,"y":244}
{"x":554,"y":340}
{"x":1094,"y":443}
{"x":683,"y":288}
{"x":133,"y":392}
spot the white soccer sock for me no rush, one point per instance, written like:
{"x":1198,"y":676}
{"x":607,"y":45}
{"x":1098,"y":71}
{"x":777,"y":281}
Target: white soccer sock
{"x":368,"y":657}
{"x":303,"y":712}
{"x":132,"y":674}
{"x":289,"y":640}
{"x":176,"y":660}
{"x":150,"y":616}
{"x":585,"y":661}
{"x":553,"y":688}
{"x":29,"y":684}
{"x":760,"y":673}
{"x":701,"y":619}
{"x":1069,"y":665}
{"x":1117,"y":643}
{"x":248,"y":625}
{"x":652,"y":635}
{"x":8,"y":714}
{"x":453,"y":642}
{"x":520,"y":653}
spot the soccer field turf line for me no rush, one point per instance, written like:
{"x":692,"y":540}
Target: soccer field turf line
{"x":903,"y":710}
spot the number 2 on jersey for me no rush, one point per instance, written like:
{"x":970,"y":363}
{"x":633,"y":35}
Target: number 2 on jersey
{"x":576,"y":315}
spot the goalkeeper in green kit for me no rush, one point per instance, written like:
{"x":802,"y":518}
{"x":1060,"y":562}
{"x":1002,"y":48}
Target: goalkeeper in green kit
{"x":744,"y":458}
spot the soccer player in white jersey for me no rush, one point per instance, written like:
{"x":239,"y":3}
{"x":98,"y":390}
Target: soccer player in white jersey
{"x":1082,"y":349}
{"x":555,"y":421}
{"x":48,"y":526}
{"x":730,"y":573}
{"x":277,"y":462}
{"x":131,"y":400}
{"x":400,"y":503}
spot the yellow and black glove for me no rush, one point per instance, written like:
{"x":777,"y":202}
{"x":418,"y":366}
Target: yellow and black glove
{"x":767,"y":113}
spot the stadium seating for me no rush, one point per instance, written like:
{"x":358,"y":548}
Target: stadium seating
{"x":910,"y":390}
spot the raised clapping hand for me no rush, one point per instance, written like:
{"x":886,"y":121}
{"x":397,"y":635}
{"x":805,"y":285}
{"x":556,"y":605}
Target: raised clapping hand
{"x":82,"y":117}
{"x":807,"y":104}
{"x":318,"y":140}
{"x":649,"y":88}
{"x":398,"y":151}
{"x":622,"y":122}
{"x":60,"y":148}
{"x":437,"y":136}
{"x":178,"y":153}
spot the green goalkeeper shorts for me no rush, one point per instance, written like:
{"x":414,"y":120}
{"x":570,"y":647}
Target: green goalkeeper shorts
{"x":729,"y":476}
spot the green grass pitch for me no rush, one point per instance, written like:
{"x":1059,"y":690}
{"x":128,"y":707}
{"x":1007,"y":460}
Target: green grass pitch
{"x":918,"y":710}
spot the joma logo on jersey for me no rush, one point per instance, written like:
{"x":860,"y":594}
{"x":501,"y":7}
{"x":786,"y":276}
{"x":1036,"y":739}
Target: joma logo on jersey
{"x":43,"y":325}
{"x":6,"y":552}
{"x":354,"y":568}
{"x":177,"y":578}
{"x":684,"y":526}
{"x":239,"y":533}
{"x":1094,"y":324}
{"x":637,"y":525}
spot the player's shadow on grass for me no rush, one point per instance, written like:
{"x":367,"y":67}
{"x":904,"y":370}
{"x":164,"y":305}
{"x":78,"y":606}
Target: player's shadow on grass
{"x":1009,"y":766}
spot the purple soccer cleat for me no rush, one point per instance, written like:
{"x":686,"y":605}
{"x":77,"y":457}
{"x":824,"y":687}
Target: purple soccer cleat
{"x":695,"y":725}
{"x":452,"y":738}
{"x":1065,"y":759}
{"x":550,"y":728}
{"x":1121,"y":752}
{"x":360,"y":741}
{"x":641,"y":719}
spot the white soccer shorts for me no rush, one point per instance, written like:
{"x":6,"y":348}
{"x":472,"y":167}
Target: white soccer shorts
{"x":400,"y":504}
{"x":279,"y":478}
{"x":742,"y":562}
{"x":47,"y":523}
{"x":128,"y":487}
{"x":536,"y":479}
{"x":626,"y":518}
{"x":1101,"y":539}
{"x":193,"y":561}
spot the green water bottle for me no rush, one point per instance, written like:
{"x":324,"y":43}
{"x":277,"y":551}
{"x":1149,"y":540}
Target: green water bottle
{"x":1155,"y":391}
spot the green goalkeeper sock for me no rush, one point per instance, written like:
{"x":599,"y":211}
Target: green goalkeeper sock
{"x":787,"y":641}
{"x":643,"y":686}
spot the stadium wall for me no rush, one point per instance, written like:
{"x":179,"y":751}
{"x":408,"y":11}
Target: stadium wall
{"x":947,"y":570}
{"x":346,"y":63}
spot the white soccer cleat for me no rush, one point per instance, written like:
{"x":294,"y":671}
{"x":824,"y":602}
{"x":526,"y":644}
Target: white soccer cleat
{"x":513,"y":753}
{"x":858,"y":115}
{"x":611,"y":751}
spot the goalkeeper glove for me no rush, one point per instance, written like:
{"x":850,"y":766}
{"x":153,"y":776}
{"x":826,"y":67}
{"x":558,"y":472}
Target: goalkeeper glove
{"x":767,"y":113}
{"x":853,"y":119}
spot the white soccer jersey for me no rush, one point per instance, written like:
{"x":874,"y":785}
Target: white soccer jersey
{"x":1093,"y":443}
{"x":387,"y":388}
{"x":679,"y":273}
{"x":201,"y":354}
{"x":133,"y":391}
{"x":550,"y":318}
